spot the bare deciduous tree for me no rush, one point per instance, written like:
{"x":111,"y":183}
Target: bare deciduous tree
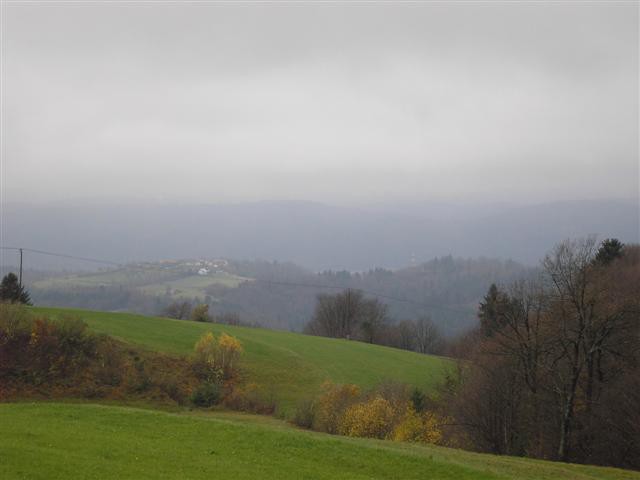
{"x":178,"y":310}
{"x":427,"y":336}
{"x":558,"y":352}
{"x":348,"y":315}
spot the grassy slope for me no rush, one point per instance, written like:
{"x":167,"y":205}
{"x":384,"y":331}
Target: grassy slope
{"x":194,"y":285}
{"x":150,"y":281}
{"x":61,"y":441}
{"x":130,"y":278}
{"x":289,"y":365}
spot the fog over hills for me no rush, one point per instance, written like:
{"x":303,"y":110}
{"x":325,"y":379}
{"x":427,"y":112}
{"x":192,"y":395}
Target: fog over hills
{"x":313,"y":235}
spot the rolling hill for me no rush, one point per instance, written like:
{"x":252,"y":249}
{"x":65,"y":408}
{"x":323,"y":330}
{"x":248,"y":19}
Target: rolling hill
{"x":83,"y":440}
{"x":280,"y":295}
{"x":289,"y":366}
{"x":60,"y":441}
{"x":173,"y":279}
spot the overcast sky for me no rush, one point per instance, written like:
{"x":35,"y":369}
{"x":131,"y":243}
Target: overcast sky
{"x":335,"y":103}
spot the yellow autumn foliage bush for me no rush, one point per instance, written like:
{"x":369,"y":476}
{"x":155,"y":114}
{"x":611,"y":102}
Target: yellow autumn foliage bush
{"x":205,"y":349}
{"x":217,"y":359}
{"x":331,"y":405}
{"x":373,"y":419}
{"x":385,"y":413}
{"x":228,"y":354}
{"x":418,"y":427}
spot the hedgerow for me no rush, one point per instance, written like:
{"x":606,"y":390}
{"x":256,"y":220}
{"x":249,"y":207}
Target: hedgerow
{"x":386,"y":412}
{"x":44,"y":357}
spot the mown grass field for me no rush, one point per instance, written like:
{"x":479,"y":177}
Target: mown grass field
{"x":63,"y":441}
{"x":129,"y":277}
{"x":151,"y":281}
{"x":194,"y":285}
{"x":287,"y":365}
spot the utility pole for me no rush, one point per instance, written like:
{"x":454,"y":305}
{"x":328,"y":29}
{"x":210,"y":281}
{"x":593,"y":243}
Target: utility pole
{"x":20,"y":277}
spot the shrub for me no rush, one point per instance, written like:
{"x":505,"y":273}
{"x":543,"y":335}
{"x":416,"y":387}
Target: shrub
{"x":76,"y":342}
{"x":58,"y":349}
{"x":418,"y":400}
{"x":217,"y":359}
{"x":138,"y":379}
{"x":178,"y":310}
{"x":205,"y":348}
{"x":228,"y":354}
{"x":418,"y":427}
{"x":332,"y":404}
{"x":305,"y":414}
{"x":200,"y":313}
{"x":387,"y":411}
{"x":14,"y":319}
{"x":111,"y":366}
{"x":207,"y":394}
{"x":250,"y":398}
{"x":204,"y":363}
{"x":397,"y":394}
{"x":372,"y":419}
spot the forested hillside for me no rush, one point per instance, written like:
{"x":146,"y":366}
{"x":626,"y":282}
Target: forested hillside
{"x":283,"y":295}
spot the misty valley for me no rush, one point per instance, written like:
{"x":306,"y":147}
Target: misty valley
{"x":319,"y":239}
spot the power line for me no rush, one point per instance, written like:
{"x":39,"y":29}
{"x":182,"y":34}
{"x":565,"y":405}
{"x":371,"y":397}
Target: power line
{"x":63,"y":255}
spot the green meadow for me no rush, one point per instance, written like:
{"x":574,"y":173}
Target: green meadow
{"x":47,"y":440}
{"x":151,"y":281}
{"x":61,"y":441}
{"x":194,"y":285}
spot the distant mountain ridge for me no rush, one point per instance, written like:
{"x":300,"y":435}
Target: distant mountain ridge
{"x":314,"y":235}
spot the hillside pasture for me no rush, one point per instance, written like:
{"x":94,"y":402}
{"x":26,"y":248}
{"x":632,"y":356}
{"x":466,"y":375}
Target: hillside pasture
{"x":287,"y":366}
{"x":180,"y":282}
{"x":193,"y":285}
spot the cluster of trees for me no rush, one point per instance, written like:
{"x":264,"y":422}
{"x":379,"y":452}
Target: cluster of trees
{"x":12,"y":291}
{"x":390,"y":411}
{"x":199,"y":312}
{"x":348,"y":315}
{"x":351,"y":315}
{"x":421,"y":335}
{"x":285,"y":296}
{"x":553,"y":371}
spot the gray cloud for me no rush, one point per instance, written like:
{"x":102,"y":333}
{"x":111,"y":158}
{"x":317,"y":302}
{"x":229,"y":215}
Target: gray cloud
{"x":339,"y":103}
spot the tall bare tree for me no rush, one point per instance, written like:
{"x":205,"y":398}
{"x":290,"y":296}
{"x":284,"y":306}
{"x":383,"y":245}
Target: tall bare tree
{"x":427,"y":336}
{"x":567,"y":345}
{"x":348,"y":315}
{"x":579,"y":327}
